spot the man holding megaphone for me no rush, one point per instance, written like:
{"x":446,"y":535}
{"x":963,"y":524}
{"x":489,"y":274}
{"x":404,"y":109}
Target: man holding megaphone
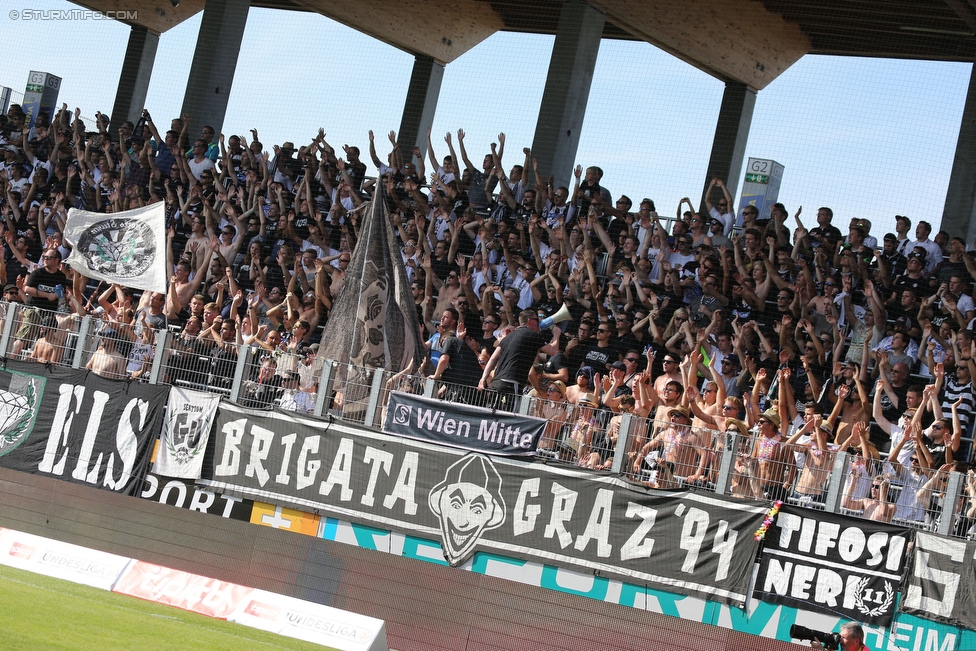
{"x":515,"y":354}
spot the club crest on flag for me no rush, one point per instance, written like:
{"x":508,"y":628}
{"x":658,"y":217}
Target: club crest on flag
{"x":128,"y":248}
{"x":18,"y":409}
{"x":121,"y":247}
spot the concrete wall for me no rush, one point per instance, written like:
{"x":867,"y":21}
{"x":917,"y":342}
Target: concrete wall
{"x":427,"y":607}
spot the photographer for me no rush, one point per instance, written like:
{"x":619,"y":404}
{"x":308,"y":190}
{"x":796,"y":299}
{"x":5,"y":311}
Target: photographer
{"x":851,"y":638}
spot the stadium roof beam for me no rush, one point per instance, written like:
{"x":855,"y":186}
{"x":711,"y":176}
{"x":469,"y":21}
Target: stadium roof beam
{"x":435,"y":29}
{"x":157,"y":16}
{"x":734,"y":41}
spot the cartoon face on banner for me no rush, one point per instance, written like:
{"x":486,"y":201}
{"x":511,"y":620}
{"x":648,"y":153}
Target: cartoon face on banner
{"x":467,"y":502}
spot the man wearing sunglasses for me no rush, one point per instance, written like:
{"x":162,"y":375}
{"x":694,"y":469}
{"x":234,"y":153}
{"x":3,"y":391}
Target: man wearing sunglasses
{"x":513,"y":358}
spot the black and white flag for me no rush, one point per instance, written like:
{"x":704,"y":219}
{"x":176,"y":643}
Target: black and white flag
{"x":128,"y":248}
{"x":833,"y":564}
{"x":76,"y":426}
{"x":681,"y":541}
{"x":189,"y":416}
{"x":941,"y":583}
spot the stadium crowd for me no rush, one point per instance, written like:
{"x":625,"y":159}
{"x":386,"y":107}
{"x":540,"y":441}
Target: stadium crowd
{"x":804,"y":340}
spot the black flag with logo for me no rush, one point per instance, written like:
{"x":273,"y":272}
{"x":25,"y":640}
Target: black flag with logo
{"x":373,"y":323}
{"x":834,"y":564}
{"x":77,"y":426}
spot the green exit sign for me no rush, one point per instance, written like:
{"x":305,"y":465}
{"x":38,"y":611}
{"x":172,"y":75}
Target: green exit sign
{"x":757,"y":178}
{"x":35,"y":88}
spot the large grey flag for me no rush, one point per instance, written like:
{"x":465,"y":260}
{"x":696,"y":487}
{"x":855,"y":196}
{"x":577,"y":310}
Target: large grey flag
{"x":373,"y":322}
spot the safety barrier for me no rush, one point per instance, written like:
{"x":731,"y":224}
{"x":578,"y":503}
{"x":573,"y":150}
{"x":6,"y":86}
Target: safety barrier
{"x":657,"y":454}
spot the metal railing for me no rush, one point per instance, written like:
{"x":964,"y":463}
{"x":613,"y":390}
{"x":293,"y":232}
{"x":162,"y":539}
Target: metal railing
{"x":651,"y":453}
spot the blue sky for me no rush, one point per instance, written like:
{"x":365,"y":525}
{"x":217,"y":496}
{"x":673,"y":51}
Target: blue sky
{"x":870,"y":138}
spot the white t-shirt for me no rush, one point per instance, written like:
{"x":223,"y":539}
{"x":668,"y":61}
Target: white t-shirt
{"x":727,"y":219}
{"x":199,"y":168}
{"x":965,"y":303}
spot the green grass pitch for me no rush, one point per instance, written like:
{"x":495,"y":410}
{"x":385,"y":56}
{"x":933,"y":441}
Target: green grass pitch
{"x":41,"y":613}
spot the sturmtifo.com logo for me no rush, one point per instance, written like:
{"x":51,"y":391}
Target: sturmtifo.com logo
{"x":120,"y":247}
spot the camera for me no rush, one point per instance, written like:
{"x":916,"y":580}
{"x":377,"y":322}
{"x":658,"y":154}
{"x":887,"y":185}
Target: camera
{"x":829,"y":640}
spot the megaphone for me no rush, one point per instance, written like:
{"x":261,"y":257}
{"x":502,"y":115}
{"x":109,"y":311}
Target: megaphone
{"x":560,"y":316}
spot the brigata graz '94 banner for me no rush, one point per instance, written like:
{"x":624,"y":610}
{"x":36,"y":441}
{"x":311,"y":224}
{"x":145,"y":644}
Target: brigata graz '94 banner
{"x":462,"y":426}
{"x":941,"y":583}
{"x":692,"y":543}
{"x":77,"y":426}
{"x":833,"y":564}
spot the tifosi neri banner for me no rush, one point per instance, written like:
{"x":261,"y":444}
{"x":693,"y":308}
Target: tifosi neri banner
{"x":833,"y":564}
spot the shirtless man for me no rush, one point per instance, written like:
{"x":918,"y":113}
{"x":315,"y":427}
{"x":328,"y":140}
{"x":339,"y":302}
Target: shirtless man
{"x":876,"y":507}
{"x":107,"y":361}
{"x":338,"y":274}
{"x":666,"y":401}
{"x":671,"y":371}
{"x":182,"y":288}
{"x":678,"y":444}
{"x":49,"y":347}
{"x":818,"y":462}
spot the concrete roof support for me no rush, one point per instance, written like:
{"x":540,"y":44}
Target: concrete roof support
{"x":959,"y":212}
{"x":214,"y":63}
{"x":130,"y":98}
{"x":567,"y":90}
{"x":419,"y":107}
{"x":731,"y":134}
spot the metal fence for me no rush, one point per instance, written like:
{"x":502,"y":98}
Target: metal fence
{"x":652,"y":453}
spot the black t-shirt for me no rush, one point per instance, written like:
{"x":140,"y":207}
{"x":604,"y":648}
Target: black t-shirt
{"x":301,"y":225}
{"x":600,"y":358}
{"x":14,"y":269}
{"x":45,"y":281}
{"x":947,"y":270}
{"x":920,"y":285}
{"x":938,"y":452}
{"x":588,"y":193}
{"x":574,"y":359}
{"x":519,"y":349}
{"x":463,"y":367}
{"x":441,"y":268}
{"x":556,"y":363}
{"x":625,"y":343}
{"x":829,"y":231}
{"x":486,"y":343}
{"x":888,"y":410}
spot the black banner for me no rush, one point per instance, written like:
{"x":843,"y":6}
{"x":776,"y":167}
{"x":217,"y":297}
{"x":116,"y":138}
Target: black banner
{"x":692,"y":543}
{"x":833,"y":564}
{"x":184,"y":494}
{"x":77,"y":426}
{"x":462,"y":426}
{"x":941,"y":584}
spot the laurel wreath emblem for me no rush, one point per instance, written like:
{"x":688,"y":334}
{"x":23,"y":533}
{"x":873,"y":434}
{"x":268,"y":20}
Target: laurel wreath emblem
{"x":873,"y":612}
